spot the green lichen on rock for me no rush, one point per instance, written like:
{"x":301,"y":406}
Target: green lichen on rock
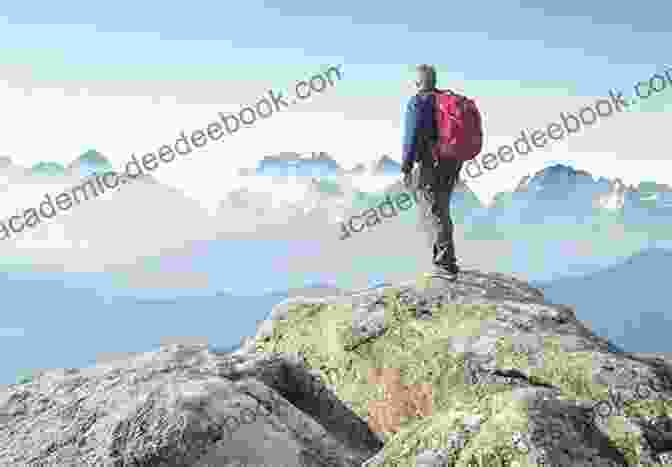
{"x":323,"y":334}
{"x":572,"y":372}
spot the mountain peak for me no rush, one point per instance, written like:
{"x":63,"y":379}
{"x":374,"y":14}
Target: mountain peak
{"x":91,"y":156}
{"x":313,"y":164}
{"x":553,"y":175}
{"x":561,"y":169}
{"x":89,"y":163}
{"x":47,"y":168}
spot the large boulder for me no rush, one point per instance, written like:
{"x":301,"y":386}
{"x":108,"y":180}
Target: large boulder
{"x":515,"y":379}
{"x":181,"y":406}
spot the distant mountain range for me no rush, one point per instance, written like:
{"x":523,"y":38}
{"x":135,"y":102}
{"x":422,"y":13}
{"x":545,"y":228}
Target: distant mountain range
{"x":633,"y":292}
{"x":89,"y":163}
{"x":318,"y":164}
{"x":558,"y":194}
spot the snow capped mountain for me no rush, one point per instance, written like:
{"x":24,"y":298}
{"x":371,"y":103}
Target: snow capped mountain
{"x":89,"y":163}
{"x":291,"y":186}
{"x":318,"y":164}
{"x":558,"y":193}
{"x":328,"y":200}
{"x":565,"y":184}
{"x":314,"y":164}
{"x":552,"y":182}
{"x":277,"y":200}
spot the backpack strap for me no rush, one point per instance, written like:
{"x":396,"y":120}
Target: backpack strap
{"x":463,"y":100}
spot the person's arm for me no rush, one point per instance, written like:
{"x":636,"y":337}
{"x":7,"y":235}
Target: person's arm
{"x":410,"y":140}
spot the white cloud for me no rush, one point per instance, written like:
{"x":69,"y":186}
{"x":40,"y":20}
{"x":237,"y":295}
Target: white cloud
{"x":50,"y":125}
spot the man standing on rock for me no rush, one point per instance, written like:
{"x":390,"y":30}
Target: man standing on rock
{"x":442,"y":130}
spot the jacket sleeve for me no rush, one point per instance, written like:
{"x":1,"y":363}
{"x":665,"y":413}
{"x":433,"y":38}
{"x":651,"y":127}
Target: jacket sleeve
{"x":419,"y":128}
{"x":409,"y":143}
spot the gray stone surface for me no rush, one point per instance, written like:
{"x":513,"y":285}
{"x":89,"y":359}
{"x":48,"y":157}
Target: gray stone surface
{"x":181,"y":406}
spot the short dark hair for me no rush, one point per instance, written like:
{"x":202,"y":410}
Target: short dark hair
{"x":429,"y":72}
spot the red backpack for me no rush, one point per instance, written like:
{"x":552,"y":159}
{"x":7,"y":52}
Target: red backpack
{"x":459,"y":127}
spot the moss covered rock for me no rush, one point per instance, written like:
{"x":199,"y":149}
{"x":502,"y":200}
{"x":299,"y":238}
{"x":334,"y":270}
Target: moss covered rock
{"x":515,"y":381}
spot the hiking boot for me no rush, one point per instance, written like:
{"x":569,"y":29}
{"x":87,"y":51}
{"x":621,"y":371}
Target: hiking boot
{"x":449,"y":270}
{"x":454,"y":269}
{"x":451,"y":267}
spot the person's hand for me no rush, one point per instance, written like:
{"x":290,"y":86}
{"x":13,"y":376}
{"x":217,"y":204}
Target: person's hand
{"x":407,"y":180}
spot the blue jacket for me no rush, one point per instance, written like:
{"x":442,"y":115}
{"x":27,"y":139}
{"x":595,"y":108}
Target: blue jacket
{"x":418,"y":124}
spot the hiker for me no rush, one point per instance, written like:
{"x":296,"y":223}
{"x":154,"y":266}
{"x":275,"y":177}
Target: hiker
{"x":442,"y":130}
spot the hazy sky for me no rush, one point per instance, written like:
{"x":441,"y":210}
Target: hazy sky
{"x":126,"y":77}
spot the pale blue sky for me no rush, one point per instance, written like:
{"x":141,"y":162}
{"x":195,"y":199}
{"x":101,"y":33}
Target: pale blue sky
{"x":501,"y":40}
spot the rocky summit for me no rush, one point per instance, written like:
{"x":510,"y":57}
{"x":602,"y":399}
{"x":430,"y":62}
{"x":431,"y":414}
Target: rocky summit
{"x":478,"y":372}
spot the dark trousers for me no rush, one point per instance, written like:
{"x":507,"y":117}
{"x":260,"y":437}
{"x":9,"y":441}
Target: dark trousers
{"x":433,"y":188}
